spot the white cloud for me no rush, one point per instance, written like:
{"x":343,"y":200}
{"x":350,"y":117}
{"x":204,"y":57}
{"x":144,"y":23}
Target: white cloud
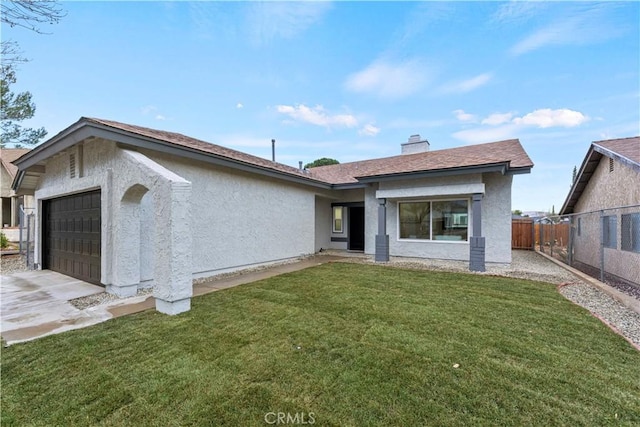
{"x":546,"y":117}
{"x":482,"y":134}
{"x":500,"y":126}
{"x":317,"y":116}
{"x":153,"y":110}
{"x":497,"y":119}
{"x":388,"y":80}
{"x":468,"y":85}
{"x":148,"y":109}
{"x":518,"y":11}
{"x":268,"y":20}
{"x":581,"y":24}
{"x":239,"y":105}
{"x":369,"y":130}
{"x":464,"y":117}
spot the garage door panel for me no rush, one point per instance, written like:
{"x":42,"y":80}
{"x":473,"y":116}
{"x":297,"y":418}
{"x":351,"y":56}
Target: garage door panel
{"x":71,"y":235}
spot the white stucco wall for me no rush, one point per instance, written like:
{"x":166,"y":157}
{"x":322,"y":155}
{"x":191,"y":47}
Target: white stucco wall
{"x":323,"y":223}
{"x":240,"y":220}
{"x":496,"y":216}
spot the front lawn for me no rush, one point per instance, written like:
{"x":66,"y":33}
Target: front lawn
{"x":338,"y":344}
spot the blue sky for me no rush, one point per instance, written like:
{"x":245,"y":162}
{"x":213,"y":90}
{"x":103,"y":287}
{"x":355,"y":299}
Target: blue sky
{"x":349,"y":80}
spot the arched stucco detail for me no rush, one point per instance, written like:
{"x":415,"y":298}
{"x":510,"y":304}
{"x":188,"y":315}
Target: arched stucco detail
{"x":171,"y":241}
{"x":127,"y":260}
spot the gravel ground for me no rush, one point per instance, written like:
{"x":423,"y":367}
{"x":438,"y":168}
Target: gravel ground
{"x":626,"y":321}
{"x":102,"y":298}
{"x":12,"y":264}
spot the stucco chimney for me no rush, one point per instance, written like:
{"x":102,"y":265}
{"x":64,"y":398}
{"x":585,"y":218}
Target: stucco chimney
{"x":415,"y":144}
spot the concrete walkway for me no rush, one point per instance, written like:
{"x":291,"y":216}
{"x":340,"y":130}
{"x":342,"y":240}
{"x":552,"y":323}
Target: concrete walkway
{"x":36,"y":303}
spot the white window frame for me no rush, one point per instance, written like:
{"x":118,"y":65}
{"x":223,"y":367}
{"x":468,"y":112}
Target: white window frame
{"x":430,"y":239}
{"x":335,"y":229}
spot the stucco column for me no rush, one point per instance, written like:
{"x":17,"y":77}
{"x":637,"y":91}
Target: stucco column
{"x":14,"y":205}
{"x":382,"y":238}
{"x":477,"y":242}
{"x":173,"y":260}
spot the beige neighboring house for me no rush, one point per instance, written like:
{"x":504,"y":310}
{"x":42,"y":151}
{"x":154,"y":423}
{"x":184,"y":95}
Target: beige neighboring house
{"x":10,"y":216}
{"x":604,"y":202}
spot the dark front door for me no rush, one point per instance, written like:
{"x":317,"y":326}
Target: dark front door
{"x":71,"y":236}
{"x":355,"y":241}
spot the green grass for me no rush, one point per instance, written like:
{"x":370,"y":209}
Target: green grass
{"x":351,"y":344}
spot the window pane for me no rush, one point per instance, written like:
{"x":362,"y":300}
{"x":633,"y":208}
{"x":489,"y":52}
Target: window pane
{"x":450,"y":220}
{"x":337,"y":219}
{"x":630,"y":228}
{"x":414,"y":220}
{"x":609,"y":224}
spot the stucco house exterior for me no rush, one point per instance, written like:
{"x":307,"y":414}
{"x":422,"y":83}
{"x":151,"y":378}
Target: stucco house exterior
{"x":128,"y":207}
{"x":11,"y":202}
{"x":604,"y":207}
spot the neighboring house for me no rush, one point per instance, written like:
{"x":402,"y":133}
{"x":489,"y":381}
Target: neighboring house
{"x":129,"y":207}
{"x":10,"y":219}
{"x":605,"y":199}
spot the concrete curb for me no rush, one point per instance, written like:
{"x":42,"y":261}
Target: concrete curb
{"x":627,"y":300}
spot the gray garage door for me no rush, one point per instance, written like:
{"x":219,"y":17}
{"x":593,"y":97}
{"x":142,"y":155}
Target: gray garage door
{"x":71,"y":235}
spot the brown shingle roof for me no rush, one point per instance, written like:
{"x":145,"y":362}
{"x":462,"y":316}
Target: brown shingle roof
{"x":8,"y":155}
{"x":625,"y":147}
{"x":509,"y":151}
{"x":199,"y":145}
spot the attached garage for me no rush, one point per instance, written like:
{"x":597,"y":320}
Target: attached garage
{"x":71,"y":235}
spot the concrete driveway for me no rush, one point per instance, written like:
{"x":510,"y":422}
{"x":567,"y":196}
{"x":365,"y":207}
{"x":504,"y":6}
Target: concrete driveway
{"x":36,"y":303}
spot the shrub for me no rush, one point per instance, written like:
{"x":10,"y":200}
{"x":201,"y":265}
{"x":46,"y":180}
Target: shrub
{"x":4,"y":242}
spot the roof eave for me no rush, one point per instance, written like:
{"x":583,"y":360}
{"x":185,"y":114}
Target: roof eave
{"x":574,"y":194}
{"x":502,"y":168}
{"x":616,"y":156}
{"x":86,"y":128}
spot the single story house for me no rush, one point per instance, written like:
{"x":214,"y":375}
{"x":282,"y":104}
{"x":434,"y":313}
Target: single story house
{"x":604,"y":204}
{"x":128,"y":207}
{"x":11,"y":202}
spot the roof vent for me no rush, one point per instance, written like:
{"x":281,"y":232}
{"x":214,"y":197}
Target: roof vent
{"x":415,"y":144}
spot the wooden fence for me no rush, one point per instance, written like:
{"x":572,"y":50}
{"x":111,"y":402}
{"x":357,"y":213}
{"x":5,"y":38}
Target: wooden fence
{"x":522,"y":234}
{"x":526,"y":235}
{"x":553,"y":234}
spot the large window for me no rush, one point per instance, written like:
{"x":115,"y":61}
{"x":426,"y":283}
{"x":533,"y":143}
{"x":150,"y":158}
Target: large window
{"x":630,"y":226}
{"x":337,"y":219}
{"x":434,"y":220}
{"x":609,"y":231}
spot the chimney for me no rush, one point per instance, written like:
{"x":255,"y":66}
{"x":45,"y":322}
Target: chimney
{"x":273,"y":150}
{"x":415,"y":144}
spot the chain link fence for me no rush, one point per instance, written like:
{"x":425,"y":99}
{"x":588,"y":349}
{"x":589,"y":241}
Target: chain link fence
{"x":27,"y":233}
{"x":604,"y":244}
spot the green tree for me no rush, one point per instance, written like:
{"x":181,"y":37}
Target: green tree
{"x":575,"y":175}
{"x":16,"y":108}
{"x":517,"y":212}
{"x":325,"y":161}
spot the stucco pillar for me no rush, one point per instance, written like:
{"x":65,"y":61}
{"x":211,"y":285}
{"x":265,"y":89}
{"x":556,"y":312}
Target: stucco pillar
{"x":477,"y":241}
{"x":126,"y":275}
{"x":382,"y":238}
{"x":14,"y":207}
{"x":173,"y":264}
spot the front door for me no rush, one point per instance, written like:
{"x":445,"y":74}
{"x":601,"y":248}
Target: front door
{"x":355,"y":240}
